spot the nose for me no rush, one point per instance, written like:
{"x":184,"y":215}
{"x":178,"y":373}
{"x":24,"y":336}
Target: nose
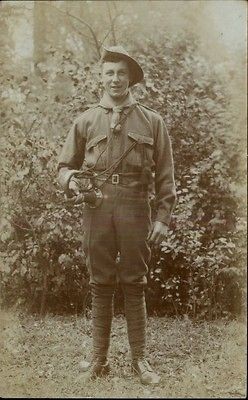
{"x":115,"y":78}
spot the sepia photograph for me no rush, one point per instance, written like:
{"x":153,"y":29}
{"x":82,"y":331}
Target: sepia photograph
{"x":123,"y":200}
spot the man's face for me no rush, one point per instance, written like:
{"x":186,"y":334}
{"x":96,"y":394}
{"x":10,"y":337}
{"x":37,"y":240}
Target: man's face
{"x":115,"y":78}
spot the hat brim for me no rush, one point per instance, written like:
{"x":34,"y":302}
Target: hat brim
{"x":137,"y":73}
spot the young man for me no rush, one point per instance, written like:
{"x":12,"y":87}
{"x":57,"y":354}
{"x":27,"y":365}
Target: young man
{"x":126,"y":146}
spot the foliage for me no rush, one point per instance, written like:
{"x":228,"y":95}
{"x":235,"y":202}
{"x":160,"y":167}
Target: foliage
{"x":199,"y":269}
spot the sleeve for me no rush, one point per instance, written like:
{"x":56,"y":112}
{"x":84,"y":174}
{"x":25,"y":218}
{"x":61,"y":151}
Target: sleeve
{"x":165,"y":189}
{"x":72,"y":155}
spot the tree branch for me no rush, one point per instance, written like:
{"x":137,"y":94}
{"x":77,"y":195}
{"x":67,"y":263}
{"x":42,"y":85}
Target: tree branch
{"x":93,"y":34}
{"x":105,"y":37}
{"x":111,"y":24}
{"x":81,"y":33}
{"x":70,"y":24}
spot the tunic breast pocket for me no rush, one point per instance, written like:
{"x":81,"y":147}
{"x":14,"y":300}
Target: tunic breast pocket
{"x":142,"y":153}
{"x":95,"y":154}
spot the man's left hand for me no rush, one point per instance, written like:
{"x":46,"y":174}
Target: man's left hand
{"x":157,"y":233}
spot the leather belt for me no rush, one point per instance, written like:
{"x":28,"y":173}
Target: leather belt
{"x":121,"y":178}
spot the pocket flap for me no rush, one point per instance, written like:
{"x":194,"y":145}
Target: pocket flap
{"x":94,"y":141}
{"x":141,"y":138}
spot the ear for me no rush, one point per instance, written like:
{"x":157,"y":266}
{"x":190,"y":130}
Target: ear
{"x":129,"y":75}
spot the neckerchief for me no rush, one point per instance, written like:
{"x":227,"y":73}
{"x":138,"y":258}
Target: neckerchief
{"x":107,"y":103}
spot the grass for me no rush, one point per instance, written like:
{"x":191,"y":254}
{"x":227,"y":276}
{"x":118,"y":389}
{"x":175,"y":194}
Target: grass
{"x":39,"y":358}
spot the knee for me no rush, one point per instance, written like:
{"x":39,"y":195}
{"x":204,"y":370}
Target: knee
{"x":133,"y":290}
{"x":102,"y":290}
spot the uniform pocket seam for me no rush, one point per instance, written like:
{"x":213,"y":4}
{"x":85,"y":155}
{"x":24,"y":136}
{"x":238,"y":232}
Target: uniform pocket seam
{"x":141,"y":138}
{"x":94,"y":141}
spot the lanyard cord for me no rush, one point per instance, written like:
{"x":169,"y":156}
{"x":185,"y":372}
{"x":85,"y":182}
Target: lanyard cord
{"x":108,"y":144}
{"x":113,"y":167}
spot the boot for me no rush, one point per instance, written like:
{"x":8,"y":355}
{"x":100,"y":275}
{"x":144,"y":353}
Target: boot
{"x":142,"y":368}
{"x":135,"y":311}
{"x":102,"y":314}
{"x":97,"y":368}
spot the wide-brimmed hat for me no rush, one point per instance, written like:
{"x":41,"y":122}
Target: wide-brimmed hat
{"x":136,"y":71}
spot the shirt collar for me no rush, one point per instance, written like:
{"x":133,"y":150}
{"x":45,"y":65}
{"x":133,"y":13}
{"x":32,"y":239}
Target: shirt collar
{"x":107,"y":103}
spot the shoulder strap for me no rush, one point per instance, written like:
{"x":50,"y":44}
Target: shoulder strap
{"x":145,"y":106}
{"x":93,"y":105}
{"x":112,"y":168}
{"x":90,"y":107}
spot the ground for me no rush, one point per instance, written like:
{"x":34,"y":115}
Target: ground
{"x":39,"y":358}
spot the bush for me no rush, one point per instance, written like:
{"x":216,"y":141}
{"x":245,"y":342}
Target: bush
{"x":199,"y":269}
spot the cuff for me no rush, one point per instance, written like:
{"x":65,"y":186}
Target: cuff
{"x":65,"y":176}
{"x":163,"y":217}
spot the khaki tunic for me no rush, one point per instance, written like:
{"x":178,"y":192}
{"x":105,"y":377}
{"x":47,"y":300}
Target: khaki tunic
{"x":92,"y":144}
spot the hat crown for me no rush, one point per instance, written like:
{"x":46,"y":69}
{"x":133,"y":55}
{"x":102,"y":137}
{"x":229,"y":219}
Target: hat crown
{"x":117,"y":49}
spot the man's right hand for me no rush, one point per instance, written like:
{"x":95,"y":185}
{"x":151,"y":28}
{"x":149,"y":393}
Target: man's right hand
{"x":74,"y":196}
{"x":77,"y":199}
{"x":74,"y":187}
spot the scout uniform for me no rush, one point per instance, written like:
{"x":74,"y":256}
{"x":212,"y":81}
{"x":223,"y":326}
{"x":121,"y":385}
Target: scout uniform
{"x":96,"y":142}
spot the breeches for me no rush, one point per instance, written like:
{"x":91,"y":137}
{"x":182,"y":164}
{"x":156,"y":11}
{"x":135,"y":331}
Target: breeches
{"x":120,"y":225}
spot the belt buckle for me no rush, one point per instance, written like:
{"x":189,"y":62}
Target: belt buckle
{"x":115,"y":179}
